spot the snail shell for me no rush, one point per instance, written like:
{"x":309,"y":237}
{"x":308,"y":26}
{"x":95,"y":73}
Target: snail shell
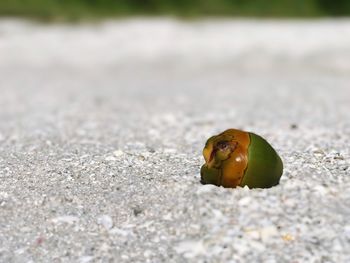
{"x":238,"y":158}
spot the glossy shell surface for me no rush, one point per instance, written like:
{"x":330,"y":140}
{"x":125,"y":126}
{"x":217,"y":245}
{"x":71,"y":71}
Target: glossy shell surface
{"x":238,"y":158}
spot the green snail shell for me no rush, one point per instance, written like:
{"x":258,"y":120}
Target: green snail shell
{"x":238,"y":158}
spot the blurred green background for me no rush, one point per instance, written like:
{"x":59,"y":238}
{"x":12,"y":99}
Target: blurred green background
{"x":91,"y":9}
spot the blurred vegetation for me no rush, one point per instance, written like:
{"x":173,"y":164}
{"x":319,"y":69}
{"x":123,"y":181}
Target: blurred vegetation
{"x":81,"y":9}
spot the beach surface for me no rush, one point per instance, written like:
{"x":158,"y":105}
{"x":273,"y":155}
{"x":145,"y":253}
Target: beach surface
{"x":102,"y":128}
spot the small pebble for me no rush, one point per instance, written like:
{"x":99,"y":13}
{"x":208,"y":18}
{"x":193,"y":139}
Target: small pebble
{"x":65,"y":219}
{"x":106,"y":221}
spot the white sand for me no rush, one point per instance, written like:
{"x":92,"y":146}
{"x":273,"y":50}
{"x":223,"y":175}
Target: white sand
{"x":102,"y":127}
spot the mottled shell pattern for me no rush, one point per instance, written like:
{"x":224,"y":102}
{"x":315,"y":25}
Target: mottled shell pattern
{"x":238,"y":158}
